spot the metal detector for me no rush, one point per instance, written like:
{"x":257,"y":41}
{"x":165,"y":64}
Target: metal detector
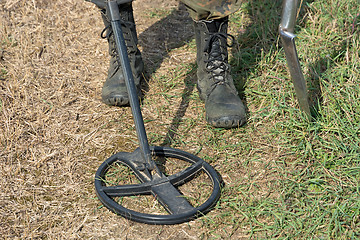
{"x":152,"y":181}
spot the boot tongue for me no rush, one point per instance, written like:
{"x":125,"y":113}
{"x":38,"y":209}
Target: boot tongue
{"x":214,"y":25}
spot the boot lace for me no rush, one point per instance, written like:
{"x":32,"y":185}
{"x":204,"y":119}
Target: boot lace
{"x":217,"y":62}
{"x":108,"y":32}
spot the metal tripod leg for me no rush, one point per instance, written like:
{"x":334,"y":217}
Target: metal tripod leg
{"x":286,"y":29}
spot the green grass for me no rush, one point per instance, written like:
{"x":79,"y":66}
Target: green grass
{"x":316,"y":192}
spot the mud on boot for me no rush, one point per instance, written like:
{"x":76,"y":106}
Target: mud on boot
{"x":114,"y":90}
{"x":223,"y":106}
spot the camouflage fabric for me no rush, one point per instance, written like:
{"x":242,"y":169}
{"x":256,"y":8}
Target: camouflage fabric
{"x":201,"y":9}
{"x":211,"y":9}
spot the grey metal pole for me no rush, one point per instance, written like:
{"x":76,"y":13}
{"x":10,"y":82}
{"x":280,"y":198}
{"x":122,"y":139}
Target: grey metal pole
{"x":286,"y":30}
{"x":130,"y":85}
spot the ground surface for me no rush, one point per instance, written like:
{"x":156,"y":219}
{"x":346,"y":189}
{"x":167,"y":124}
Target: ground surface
{"x":284,"y":177}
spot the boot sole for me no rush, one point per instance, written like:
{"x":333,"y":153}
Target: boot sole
{"x":227,"y":122}
{"x":121,"y":100}
{"x":118,"y":101}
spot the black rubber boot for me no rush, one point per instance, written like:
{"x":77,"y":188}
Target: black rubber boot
{"x":114,"y":90}
{"x":215,"y":84}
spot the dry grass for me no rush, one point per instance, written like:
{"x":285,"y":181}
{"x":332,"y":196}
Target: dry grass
{"x":54,"y":129}
{"x":51,"y":117}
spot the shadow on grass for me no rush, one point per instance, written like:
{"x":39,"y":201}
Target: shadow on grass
{"x":170,"y":32}
{"x":190,"y":82}
{"x":173,"y":31}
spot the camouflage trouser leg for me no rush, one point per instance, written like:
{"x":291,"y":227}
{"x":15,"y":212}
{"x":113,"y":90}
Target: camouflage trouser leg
{"x":211,"y":9}
{"x":201,"y":9}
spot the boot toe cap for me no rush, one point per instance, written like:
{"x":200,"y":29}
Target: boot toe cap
{"x":225,"y":109}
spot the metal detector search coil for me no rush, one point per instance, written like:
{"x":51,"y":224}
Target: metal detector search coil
{"x":163,"y":188}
